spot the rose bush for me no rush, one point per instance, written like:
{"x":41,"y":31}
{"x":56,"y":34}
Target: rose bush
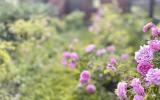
{"x":146,"y":86}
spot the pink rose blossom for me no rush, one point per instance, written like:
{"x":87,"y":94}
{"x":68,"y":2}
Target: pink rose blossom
{"x":121,"y":90}
{"x":74,"y":56}
{"x":85,"y":75}
{"x":154,"y":31}
{"x":148,"y":26}
{"x":154,"y":44}
{"x":138,"y":97}
{"x":139,"y":90}
{"x":69,"y":59}
{"x":137,"y":87}
{"x":153,"y":77}
{"x":143,"y":67}
{"x":66,"y":54}
{"x":90,"y":88}
{"x":135,"y":82}
{"x":145,"y":54}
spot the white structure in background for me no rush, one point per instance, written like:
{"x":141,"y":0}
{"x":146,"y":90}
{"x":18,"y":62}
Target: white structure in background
{"x":96,"y":3}
{"x":14,"y":2}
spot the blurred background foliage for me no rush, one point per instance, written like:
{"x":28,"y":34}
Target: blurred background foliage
{"x":33,"y":38}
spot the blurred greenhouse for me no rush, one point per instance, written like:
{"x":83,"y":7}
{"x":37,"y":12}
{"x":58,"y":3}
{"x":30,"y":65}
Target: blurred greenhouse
{"x":79,"y":49}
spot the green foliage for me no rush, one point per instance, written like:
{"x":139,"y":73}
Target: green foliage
{"x":32,"y":28}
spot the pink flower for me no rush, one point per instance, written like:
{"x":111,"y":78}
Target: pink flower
{"x":100,"y":52}
{"x":154,"y":44}
{"x":148,"y":26}
{"x":154,"y":31}
{"x":137,"y":87}
{"x":153,"y":77}
{"x":145,"y":54}
{"x":139,"y":90}
{"x":121,"y":90}
{"x":90,"y":48}
{"x":85,"y":75}
{"x":74,"y":56}
{"x":135,"y":82}
{"x":66,"y":54}
{"x":138,"y":97}
{"x":143,"y":67}
{"x":110,"y":48}
{"x":124,"y":56}
{"x":69,"y":59}
{"x":90,"y":88}
{"x":113,"y":61}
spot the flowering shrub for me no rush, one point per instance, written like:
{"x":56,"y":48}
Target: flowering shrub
{"x":107,"y":57}
{"x":100,"y":69}
{"x":146,"y":86}
{"x":46,"y":58}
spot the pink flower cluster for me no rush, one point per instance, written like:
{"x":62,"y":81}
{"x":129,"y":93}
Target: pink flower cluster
{"x":90,"y":88}
{"x":150,"y":26}
{"x":84,"y":77}
{"x":138,"y":97}
{"x":153,"y":77}
{"x":144,"y":57}
{"x":145,"y":54}
{"x":122,"y":90}
{"x":69,"y":59}
{"x":154,"y":45}
{"x":143,"y":67}
{"x":84,"y":80}
{"x":137,"y":88}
